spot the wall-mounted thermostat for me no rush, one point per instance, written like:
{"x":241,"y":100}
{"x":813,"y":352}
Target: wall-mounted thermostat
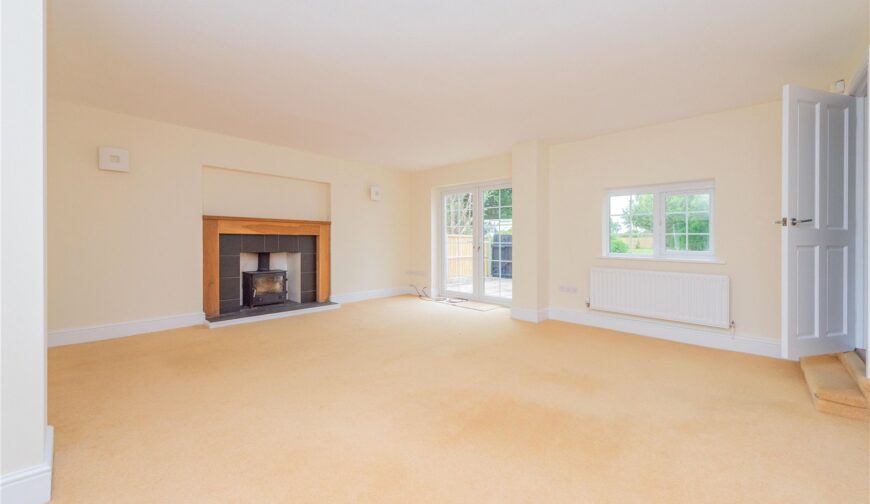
{"x":114,"y":159}
{"x":375,"y":193}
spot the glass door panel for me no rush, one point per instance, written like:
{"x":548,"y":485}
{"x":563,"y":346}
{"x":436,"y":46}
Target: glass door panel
{"x":497,"y":242}
{"x":459,"y":243}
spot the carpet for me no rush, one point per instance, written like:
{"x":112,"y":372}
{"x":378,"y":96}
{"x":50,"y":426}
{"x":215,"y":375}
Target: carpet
{"x":395,"y":400}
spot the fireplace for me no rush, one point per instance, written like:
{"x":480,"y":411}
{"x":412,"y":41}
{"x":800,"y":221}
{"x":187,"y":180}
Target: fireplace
{"x":264,"y":286}
{"x":239,"y":282}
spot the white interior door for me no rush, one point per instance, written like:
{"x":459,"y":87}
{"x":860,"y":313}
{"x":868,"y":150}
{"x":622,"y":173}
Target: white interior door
{"x":818,"y":224}
{"x":476,"y":243}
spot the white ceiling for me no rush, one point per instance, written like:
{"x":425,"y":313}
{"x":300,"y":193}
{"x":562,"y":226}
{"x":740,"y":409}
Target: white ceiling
{"x":413,"y":84}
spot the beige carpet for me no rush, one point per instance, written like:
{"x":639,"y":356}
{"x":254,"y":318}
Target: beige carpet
{"x":401,"y":400}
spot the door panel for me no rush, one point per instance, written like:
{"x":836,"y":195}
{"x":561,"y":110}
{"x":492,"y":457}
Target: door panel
{"x":838,"y":171}
{"x":807,"y":175}
{"x":459,"y":243}
{"x":807,"y":272}
{"x":837,"y":322}
{"x":496,"y":255}
{"x":818,"y":233}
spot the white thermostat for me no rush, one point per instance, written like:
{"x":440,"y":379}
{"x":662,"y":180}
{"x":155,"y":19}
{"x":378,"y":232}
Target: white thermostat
{"x":375,"y":193}
{"x":114,"y":159}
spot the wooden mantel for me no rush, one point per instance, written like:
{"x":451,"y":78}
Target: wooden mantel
{"x":214,"y":226}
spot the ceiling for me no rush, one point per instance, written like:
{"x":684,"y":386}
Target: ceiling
{"x":414,"y":84}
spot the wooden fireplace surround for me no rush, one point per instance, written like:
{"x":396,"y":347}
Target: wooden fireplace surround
{"x":214,"y":226}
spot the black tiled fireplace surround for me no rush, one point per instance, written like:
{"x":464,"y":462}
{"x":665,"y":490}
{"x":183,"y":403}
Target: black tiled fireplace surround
{"x":232,"y":245}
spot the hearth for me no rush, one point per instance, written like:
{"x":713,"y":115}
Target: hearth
{"x":264,"y":286}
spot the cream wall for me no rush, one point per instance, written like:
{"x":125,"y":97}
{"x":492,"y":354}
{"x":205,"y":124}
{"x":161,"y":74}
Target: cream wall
{"x":739,"y":149}
{"x":559,"y":192}
{"x":125,"y":247}
{"x":125,"y":236}
{"x":425,"y":186}
{"x":530,"y":174}
{"x":244,"y":194}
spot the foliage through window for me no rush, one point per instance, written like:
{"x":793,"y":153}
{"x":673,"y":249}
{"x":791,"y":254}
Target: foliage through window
{"x":670,"y":221}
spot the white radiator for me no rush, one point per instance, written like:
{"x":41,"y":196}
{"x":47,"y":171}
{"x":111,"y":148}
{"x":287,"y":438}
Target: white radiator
{"x":681,"y":297}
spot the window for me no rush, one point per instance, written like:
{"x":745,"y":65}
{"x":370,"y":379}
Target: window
{"x":668,"y":221}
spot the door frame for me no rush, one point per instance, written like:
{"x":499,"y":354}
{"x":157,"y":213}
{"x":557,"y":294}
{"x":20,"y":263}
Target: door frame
{"x":478,"y":259}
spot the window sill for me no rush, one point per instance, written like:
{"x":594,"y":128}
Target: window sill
{"x":700,"y":260}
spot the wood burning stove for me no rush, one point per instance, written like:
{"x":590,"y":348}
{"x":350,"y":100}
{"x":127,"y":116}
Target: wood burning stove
{"x":264,"y":286}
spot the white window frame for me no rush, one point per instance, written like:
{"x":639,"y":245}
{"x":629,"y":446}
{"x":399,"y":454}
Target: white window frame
{"x":660,"y":192}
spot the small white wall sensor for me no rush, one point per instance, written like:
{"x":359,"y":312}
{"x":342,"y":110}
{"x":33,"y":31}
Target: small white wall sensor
{"x":375,"y":193}
{"x":838,"y":87}
{"x":114,"y":159}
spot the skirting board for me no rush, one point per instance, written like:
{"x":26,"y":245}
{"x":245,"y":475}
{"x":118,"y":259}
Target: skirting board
{"x":372,"y":294}
{"x":270,"y":316}
{"x":722,"y":340}
{"x":529,"y":315}
{"x":121,"y":329}
{"x":31,"y":485}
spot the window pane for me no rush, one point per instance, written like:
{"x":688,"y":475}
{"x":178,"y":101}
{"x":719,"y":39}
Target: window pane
{"x":641,"y":244}
{"x":619,"y":225}
{"x":506,"y":213}
{"x":675,"y":242}
{"x":675,"y":223}
{"x":495,"y":269}
{"x":699,"y":202}
{"x":642,"y":223}
{"x":699,"y":222}
{"x":642,"y":204}
{"x":490,"y":199}
{"x":504,"y":242}
{"x":506,"y":197}
{"x":620,"y":232}
{"x":619,"y":205}
{"x":676,"y":204}
{"x":490,"y":213}
{"x":631,"y":224}
{"x":699,"y":243}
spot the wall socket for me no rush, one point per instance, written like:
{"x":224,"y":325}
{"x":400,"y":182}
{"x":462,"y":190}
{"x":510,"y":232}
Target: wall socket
{"x":570,"y":289}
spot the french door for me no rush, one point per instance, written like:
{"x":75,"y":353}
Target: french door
{"x":477,"y":242}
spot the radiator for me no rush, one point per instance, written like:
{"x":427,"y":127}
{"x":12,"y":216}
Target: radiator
{"x":681,"y":297}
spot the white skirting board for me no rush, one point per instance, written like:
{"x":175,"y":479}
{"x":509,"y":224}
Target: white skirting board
{"x":31,"y":485}
{"x":121,"y":329}
{"x":353,"y":297}
{"x":701,"y":336}
{"x":529,"y":315}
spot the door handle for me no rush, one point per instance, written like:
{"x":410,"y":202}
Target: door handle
{"x":795,"y":221}
{"x":781,"y":222}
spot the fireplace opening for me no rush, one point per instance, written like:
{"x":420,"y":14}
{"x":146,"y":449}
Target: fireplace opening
{"x":264,"y":286}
